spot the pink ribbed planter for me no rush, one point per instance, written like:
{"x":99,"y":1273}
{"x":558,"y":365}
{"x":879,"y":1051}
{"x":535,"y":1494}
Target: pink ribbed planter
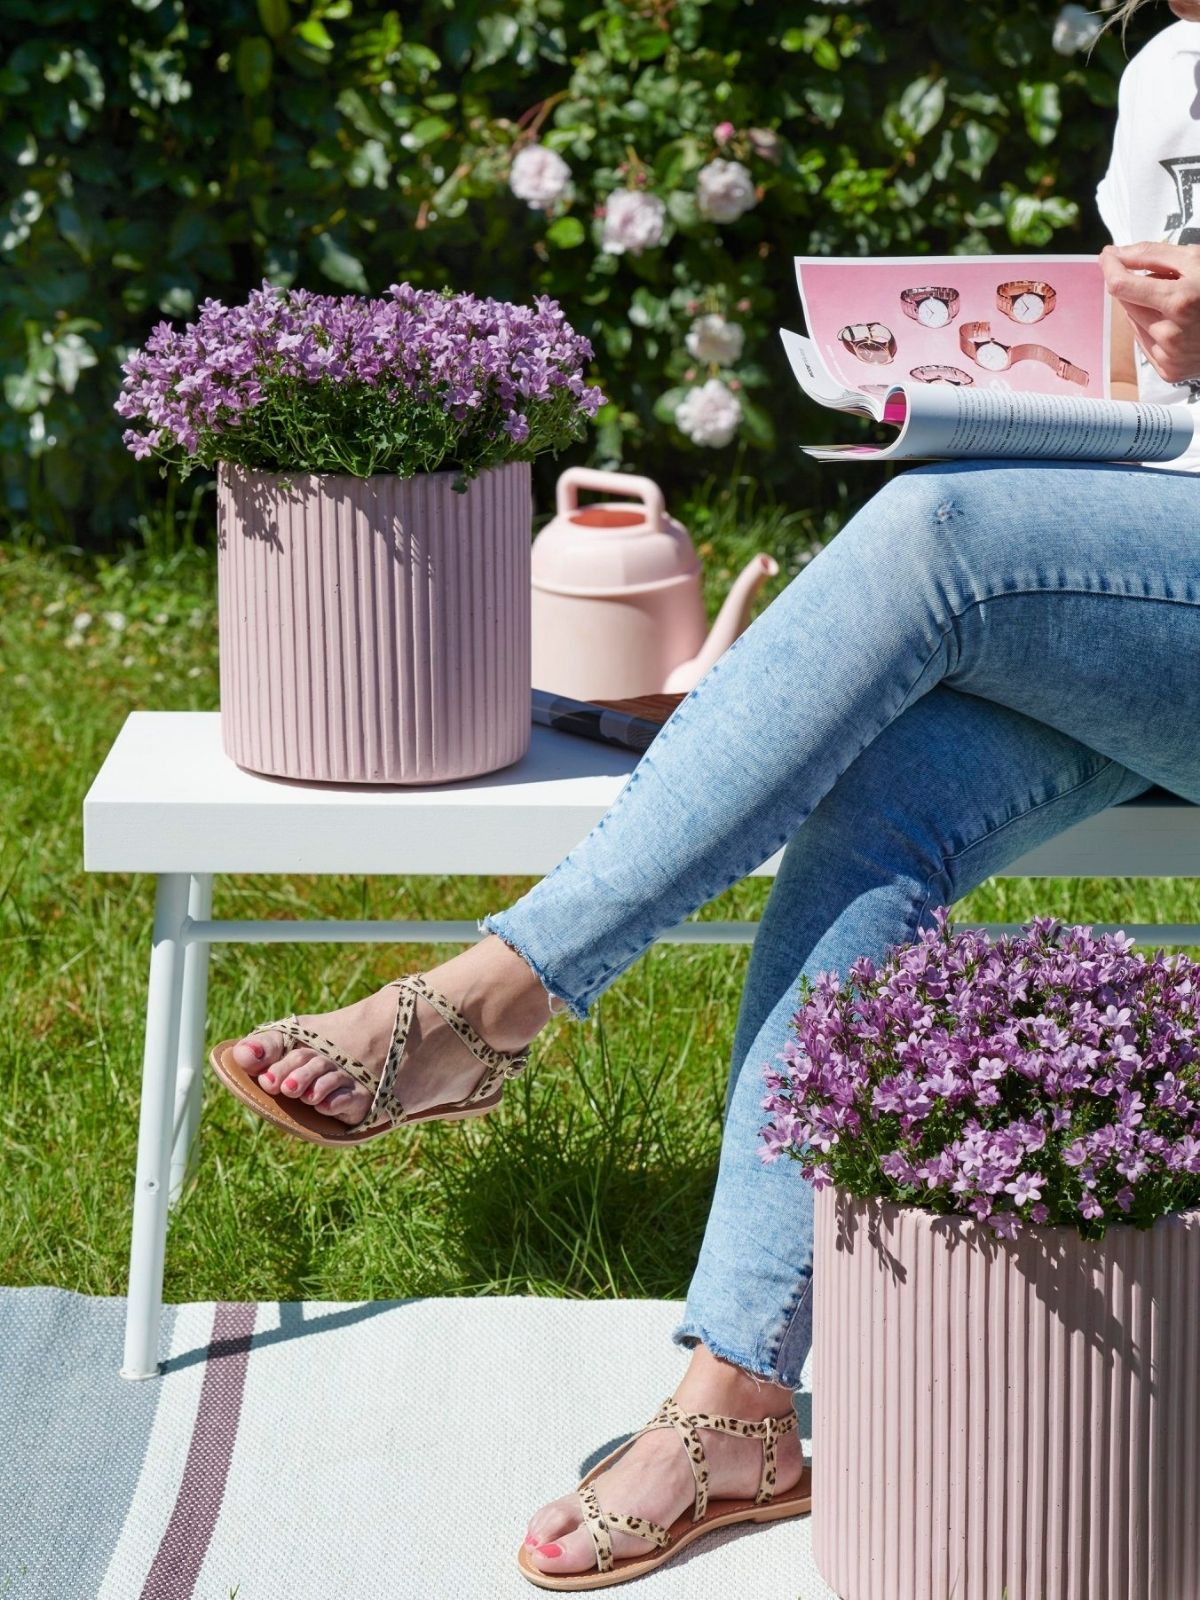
{"x":994,"y":1419}
{"x":374,"y":630}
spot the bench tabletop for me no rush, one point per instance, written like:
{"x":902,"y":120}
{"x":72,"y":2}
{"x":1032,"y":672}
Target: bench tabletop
{"x":168,"y":799}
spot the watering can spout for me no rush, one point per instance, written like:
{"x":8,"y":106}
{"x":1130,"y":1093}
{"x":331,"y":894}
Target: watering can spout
{"x":731,"y":621}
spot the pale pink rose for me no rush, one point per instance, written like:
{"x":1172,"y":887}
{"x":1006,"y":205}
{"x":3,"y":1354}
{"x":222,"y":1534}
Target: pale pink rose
{"x":724,"y":190}
{"x":539,"y":176}
{"x":709,"y":415}
{"x":633,"y":222}
{"x":723,"y":132}
{"x":712,"y":338}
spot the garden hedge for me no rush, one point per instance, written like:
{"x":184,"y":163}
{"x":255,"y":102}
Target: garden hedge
{"x":161,"y":151}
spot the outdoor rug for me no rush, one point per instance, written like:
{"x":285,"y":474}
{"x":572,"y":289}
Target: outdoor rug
{"x":333,"y":1452}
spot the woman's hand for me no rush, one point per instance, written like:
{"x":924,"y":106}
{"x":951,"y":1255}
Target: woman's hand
{"x":1158,"y":288}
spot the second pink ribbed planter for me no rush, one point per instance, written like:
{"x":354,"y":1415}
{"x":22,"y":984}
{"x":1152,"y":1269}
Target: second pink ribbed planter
{"x":374,"y":630}
{"x":1004,"y":1421}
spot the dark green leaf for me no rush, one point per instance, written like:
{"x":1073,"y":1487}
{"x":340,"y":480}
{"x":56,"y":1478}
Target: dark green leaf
{"x":253,"y":65}
{"x":274,"y":16}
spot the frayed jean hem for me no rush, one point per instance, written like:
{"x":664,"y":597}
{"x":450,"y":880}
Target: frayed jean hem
{"x":689,"y":1334}
{"x":494,"y":923}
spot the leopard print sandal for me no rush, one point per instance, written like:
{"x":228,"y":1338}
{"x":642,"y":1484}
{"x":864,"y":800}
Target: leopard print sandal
{"x":306,"y":1122}
{"x":601,"y":1524}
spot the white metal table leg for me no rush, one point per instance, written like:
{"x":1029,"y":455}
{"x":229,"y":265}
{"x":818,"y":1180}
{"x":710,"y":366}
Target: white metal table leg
{"x":155,"y":1128}
{"x":193,"y":1016}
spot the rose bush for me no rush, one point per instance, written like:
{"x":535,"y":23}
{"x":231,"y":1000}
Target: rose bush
{"x":649,"y":165}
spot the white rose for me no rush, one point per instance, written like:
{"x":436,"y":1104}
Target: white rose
{"x":539,"y":176}
{"x":1075,"y":29}
{"x":633,"y":221}
{"x":709,"y":414}
{"x":711,"y":338}
{"x":724,"y":190}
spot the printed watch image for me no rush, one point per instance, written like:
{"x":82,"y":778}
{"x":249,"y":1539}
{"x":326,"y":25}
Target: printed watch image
{"x":975,"y":339}
{"x":934,"y":372}
{"x":869,"y":341}
{"x":931,"y":305}
{"x":1026,"y":299}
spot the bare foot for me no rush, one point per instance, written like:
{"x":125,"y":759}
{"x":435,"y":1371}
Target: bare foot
{"x":491,"y":985}
{"x":653,"y":1479}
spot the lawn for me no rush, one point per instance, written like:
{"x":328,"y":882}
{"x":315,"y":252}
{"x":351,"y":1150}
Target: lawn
{"x":594,"y":1177}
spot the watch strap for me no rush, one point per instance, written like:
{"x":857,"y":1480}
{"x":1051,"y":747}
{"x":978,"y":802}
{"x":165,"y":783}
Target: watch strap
{"x":1049,"y":358}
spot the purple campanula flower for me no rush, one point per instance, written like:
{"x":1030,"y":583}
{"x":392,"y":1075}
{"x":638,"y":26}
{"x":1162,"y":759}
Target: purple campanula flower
{"x":410,"y":382}
{"x":934,"y":1076}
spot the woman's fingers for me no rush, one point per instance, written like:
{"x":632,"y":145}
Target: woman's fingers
{"x":1173,"y":351}
{"x":1138,"y":289}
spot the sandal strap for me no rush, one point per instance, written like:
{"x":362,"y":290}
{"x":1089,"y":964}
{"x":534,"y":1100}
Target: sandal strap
{"x":385,"y":1105}
{"x":596,"y":1524}
{"x":688,"y":1424}
{"x":295,"y":1035}
{"x":501,"y":1066}
{"x":766,"y":1482}
{"x":600,"y":1525}
{"x":670,"y":1415}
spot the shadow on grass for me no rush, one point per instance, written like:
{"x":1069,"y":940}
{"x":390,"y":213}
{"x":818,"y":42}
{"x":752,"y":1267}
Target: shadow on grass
{"x":596,"y":1193}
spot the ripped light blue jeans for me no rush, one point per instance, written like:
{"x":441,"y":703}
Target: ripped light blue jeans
{"x":986,"y":654}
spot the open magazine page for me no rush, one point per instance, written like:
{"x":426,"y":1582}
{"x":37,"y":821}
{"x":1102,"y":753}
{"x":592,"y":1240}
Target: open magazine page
{"x":888,"y":405}
{"x":944,"y":422}
{"x":1037,"y":325}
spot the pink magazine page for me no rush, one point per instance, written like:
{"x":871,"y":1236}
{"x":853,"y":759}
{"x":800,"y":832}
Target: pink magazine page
{"x":1036,"y":324}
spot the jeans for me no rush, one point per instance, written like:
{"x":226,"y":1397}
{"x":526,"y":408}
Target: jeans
{"x":986,"y":654}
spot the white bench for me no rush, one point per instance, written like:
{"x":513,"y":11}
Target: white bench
{"x":169,"y":802}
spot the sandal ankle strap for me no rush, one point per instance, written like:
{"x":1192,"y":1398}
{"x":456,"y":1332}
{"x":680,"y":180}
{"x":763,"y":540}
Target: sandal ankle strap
{"x":688,"y":1424}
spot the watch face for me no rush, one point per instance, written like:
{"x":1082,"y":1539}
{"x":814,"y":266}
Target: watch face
{"x":932,"y":312}
{"x":935,"y":373}
{"x":991,"y":355}
{"x":1028,"y":307}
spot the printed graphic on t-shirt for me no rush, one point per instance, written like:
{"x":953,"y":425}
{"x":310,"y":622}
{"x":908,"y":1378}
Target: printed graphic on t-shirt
{"x":1182,"y":226}
{"x":1185,"y":171}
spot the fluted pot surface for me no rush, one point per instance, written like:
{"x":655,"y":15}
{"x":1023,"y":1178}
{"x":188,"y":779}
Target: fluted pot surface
{"x":998,"y":1420}
{"x":374,"y":630}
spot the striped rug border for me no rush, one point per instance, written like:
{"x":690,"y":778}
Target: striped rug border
{"x":185,"y":1541}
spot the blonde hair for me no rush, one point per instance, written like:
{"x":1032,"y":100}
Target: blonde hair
{"x":1123,"y":15}
{"x":1125,"y":10}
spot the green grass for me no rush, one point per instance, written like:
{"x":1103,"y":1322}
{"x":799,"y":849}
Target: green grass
{"x":593,"y":1179}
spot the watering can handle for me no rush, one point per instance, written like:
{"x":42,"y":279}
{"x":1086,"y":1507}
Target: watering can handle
{"x":625,"y":485}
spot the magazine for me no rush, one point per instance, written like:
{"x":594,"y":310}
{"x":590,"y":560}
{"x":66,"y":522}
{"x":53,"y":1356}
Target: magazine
{"x":972,"y":356}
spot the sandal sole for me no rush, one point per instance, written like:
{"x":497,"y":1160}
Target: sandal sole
{"x":637,"y":1566}
{"x":306,"y":1122}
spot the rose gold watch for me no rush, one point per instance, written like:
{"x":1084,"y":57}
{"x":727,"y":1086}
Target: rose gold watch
{"x":937,"y":372}
{"x":1026,"y":299}
{"x":931,"y":305}
{"x":975,"y":340}
{"x":869,"y":341}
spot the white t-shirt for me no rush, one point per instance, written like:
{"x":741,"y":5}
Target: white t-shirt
{"x":1152,"y":187}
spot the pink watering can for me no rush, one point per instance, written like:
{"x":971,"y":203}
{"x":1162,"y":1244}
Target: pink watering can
{"x":617,"y":603}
